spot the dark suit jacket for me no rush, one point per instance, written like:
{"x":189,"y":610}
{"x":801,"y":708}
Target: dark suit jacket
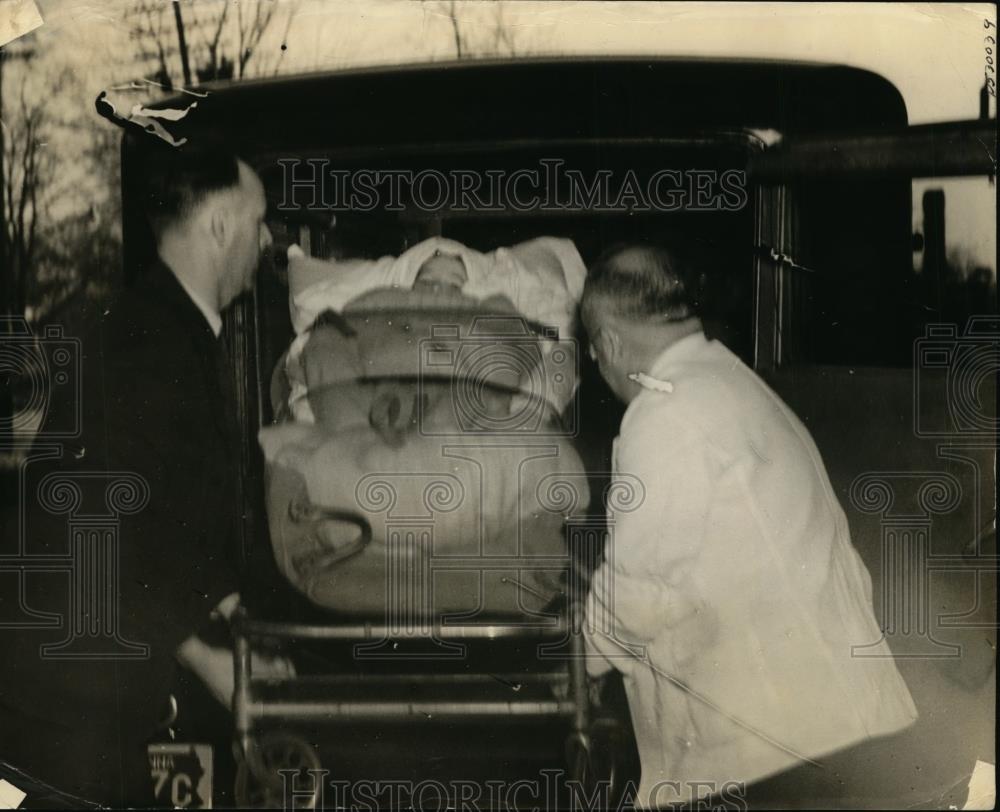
{"x":156,"y":402}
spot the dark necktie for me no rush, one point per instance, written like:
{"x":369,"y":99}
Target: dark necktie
{"x":227,"y":416}
{"x":224,"y":372}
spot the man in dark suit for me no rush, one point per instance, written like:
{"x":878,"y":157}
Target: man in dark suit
{"x":157,"y":405}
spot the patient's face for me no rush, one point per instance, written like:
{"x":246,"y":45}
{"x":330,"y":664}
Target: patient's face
{"x":441,"y":273}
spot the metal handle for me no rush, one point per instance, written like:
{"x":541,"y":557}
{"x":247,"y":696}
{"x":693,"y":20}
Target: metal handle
{"x":302,"y":511}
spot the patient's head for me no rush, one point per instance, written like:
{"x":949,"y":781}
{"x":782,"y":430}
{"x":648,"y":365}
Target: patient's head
{"x":441,"y":272}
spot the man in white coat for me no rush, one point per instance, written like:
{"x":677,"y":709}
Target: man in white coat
{"x":731,"y":597}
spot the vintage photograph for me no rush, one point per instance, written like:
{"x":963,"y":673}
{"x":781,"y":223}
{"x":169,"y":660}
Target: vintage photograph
{"x":497,"y":405}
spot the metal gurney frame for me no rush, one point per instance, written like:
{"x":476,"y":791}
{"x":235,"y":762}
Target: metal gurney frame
{"x":262,"y":754}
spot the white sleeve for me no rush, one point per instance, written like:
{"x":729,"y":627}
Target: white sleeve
{"x":642,"y":588}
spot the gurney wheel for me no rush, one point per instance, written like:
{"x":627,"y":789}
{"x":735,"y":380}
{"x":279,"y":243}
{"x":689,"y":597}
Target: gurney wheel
{"x":592,"y":759}
{"x":260,"y":785}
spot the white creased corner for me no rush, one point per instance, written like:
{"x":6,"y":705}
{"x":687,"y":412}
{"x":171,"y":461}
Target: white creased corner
{"x":982,"y":787}
{"x":17,"y":18}
{"x":10,"y":796}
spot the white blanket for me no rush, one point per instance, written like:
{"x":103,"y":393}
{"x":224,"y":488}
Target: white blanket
{"x":543,"y":278}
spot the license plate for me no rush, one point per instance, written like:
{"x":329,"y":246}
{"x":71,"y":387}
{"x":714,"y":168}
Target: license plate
{"x":182,"y":775}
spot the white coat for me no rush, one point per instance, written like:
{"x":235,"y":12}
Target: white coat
{"x":736,"y":587}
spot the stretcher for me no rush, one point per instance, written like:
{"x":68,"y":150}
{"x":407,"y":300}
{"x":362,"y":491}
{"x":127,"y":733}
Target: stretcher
{"x":423,"y":515}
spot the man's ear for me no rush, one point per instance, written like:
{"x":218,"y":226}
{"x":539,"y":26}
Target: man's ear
{"x":219,"y":226}
{"x":611,"y":343}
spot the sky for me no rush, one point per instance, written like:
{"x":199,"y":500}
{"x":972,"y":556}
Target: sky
{"x":934,"y":53}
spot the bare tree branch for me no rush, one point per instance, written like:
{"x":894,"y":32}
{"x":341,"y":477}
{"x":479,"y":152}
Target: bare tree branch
{"x":291,"y":9}
{"x":251,"y":33}
{"x":453,"y":16}
{"x":29,"y":174}
{"x":503,"y":33}
{"x":216,"y":38}
{"x":474,"y":37}
{"x":222,"y":37}
{"x":150,"y":26}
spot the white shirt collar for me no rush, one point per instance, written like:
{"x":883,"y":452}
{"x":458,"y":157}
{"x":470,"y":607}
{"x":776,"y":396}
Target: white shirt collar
{"x":684,"y":348}
{"x":211,"y":315}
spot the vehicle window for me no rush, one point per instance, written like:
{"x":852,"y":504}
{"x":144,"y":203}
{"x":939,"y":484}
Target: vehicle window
{"x":863,"y":281}
{"x":954,"y":248}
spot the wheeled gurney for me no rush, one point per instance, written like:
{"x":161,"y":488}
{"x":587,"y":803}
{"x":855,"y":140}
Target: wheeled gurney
{"x":424,"y":509}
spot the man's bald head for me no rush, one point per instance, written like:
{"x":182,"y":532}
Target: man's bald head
{"x":637,"y":283}
{"x":635,"y":304}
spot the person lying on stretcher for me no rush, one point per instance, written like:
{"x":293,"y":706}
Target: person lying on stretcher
{"x":440,"y":280}
{"x":543,"y":278}
{"x":396,"y":407}
{"x":391,"y":346}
